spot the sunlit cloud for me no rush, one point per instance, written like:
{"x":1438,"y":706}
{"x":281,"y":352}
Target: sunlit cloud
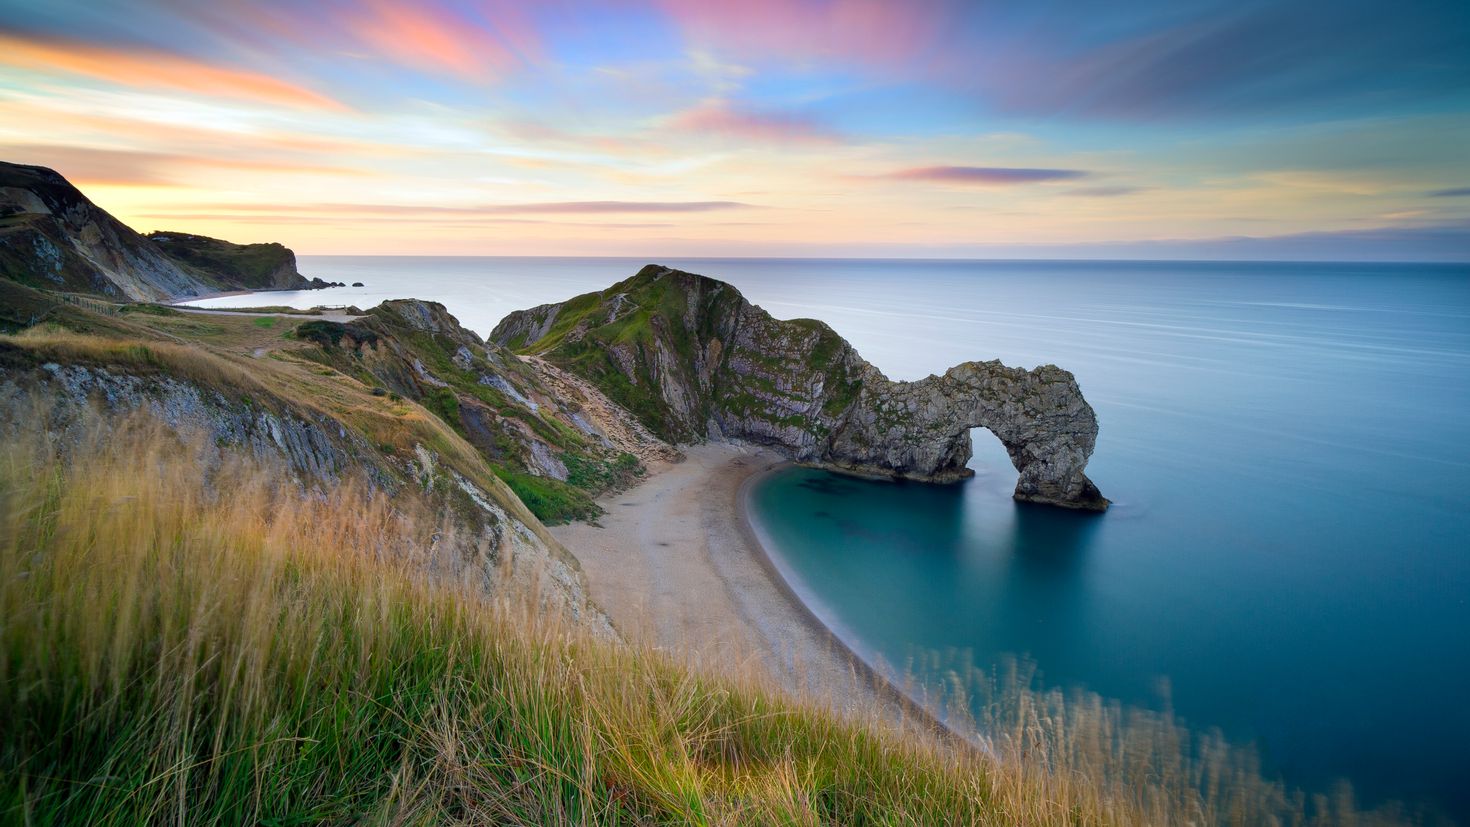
{"x":498,"y":126}
{"x":562,"y":207}
{"x":122,"y":166}
{"x":432,"y":37}
{"x":720,"y":117}
{"x":153,"y":69}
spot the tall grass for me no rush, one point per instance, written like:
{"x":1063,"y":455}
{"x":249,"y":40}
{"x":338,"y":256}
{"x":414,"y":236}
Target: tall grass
{"x":227,"y":650}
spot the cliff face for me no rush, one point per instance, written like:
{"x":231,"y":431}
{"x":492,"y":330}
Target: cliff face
{"x":321,"y":426}
{"x":693,"y":359}
{"x":558,"y":440}
{"x":245,"y":266}
{"x":52,"y":237}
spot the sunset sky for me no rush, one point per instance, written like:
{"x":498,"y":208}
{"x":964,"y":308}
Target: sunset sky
{"x":691,"y":127}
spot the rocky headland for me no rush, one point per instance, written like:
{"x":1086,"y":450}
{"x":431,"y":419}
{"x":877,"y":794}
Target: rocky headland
{"x":694,"y":360}
{"x":53,"y":237}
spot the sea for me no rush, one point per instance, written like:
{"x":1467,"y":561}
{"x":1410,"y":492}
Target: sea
{"x":1287,"y":447}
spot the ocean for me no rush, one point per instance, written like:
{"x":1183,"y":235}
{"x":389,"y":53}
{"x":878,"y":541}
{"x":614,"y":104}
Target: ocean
{"x":1287,"y":447}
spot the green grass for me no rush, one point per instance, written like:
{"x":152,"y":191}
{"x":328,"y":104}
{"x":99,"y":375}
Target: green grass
{"x":552,"y":501}
{"x":266,"y":322}
{"x":195,"y":643}
{"x":250,"y":657}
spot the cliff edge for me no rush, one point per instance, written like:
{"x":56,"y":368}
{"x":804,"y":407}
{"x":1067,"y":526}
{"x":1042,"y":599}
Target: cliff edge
{"x":693,"y":359}
{"x":52,"y":237}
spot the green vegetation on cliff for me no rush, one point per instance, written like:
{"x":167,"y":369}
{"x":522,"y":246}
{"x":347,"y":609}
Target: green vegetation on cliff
{"x":369,"y":373}
{"x":660,"y":343}
{"x":247,"y":266}
{"x":245,"y":654}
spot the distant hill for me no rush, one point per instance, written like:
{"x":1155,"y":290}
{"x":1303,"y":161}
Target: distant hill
{"x":249,"y":266}
{"x":53,"y":237}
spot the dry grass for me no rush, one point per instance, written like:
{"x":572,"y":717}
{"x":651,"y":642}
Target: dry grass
{"x":281,"y":383}
{"x":226,"y":650}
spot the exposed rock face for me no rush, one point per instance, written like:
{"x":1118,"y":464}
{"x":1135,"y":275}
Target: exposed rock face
{"x":489,"y":538}
{"x":528,"y":419}
{"x":693,"y":359}
{"x":52,"y":237}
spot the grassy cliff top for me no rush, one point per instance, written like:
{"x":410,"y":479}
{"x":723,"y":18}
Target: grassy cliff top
{"x":247,"y":266}
{"x":245,"y":655}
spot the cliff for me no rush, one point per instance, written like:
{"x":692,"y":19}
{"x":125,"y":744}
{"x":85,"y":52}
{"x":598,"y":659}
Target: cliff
{"x":244,"y":266}
{"x":692,"y":359}
{"x":53,"y":237}
{"x":556,"y":441}
{"x":262,"y":386}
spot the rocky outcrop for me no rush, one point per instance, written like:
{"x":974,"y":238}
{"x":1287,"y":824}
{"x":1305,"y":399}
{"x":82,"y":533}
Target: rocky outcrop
{"x":53,"y":238}
{"x":244,"y":266}
{"x":488,"y":538}
{"x":560,"y":439}
{"x":692,"y":359}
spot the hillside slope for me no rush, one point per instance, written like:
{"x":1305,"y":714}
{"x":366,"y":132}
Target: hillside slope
{"x":693,"y":359}
{"x":53,"y":237}
{"x":258,"y":389}
{"x":243,"y":266}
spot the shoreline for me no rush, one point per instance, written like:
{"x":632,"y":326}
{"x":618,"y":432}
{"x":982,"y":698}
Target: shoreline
{"x":677,"y":563}
{"x":790,"y":585}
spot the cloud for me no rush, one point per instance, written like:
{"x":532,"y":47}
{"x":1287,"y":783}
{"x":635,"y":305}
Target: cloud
{"x":1225,"y":60}
{"x":284,"y":217}
{"x":534,"y":208}
{"x":618,"y":207}
{"x":1454,"y":192}
{"x":434,"y":38}
{"x":719,"y":117}
{"x":105,"y":165}
{"x":1104,"y":192}
{"x":155,"y":69}
{"x":862,"y":31}
{"x":1442,"y":242}
{"x":984,"y":176}
{"x":94,"y":166}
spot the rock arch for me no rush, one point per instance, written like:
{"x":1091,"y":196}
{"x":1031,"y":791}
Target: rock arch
{"x":921,"y":430}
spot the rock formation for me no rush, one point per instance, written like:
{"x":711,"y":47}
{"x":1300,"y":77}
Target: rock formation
{"x":53,"y":238}
{"x":692,"y":359}
{"x":319,"y":426}
{"x":245,"y":266}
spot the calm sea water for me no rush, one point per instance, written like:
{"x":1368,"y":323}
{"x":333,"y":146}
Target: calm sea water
{"x":1287,"y":445}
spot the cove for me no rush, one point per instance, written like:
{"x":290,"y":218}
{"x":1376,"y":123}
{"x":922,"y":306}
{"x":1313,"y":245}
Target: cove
{"x":902,"y":570}
{"x":1286,"y":446}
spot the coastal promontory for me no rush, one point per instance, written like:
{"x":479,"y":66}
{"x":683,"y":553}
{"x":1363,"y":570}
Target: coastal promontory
{"x":693,"y":360}
{"x":52,"y":237}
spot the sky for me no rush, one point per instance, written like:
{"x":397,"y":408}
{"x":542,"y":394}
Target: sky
{"x":1132,"y":128}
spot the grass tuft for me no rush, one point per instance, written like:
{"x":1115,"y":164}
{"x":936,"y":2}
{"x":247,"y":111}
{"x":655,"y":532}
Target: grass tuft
{"x":184,"y":638}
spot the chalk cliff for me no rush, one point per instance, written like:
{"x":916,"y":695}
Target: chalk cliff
{"x":692,"y":359}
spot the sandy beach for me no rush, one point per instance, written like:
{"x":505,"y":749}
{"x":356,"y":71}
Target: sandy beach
{"x":675,"y":565}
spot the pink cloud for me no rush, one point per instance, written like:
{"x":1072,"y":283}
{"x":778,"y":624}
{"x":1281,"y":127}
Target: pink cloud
{"x":721,"y":118}
{"x":432,"y":38}
{"x":864,"y":30}
{"x":155,"y":69}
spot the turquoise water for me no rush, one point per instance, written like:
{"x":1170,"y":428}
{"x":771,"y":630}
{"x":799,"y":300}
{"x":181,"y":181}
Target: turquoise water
{"x":1287,"y":445}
